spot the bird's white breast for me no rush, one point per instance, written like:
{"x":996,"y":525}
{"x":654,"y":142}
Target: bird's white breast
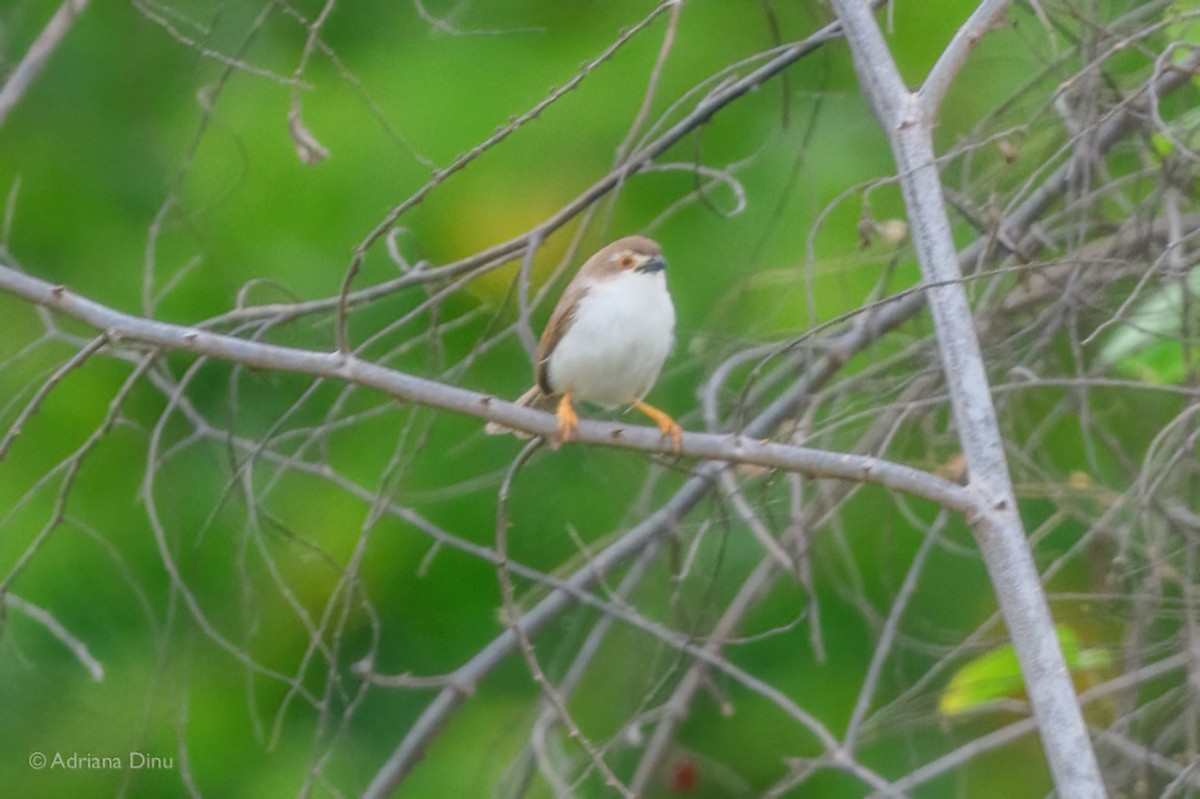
{"x":612,"y":352}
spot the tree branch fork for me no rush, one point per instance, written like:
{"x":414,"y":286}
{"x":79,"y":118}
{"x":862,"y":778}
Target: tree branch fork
{"x":906,"y":119}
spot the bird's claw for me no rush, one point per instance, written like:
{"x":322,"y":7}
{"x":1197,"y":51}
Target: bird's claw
{"x":568,"y":420}
{"x":665,"y":424}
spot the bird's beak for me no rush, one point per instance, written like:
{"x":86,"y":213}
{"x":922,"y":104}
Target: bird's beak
{"x":655,"y":264}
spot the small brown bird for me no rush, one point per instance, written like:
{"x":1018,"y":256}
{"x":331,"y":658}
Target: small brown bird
{"x":607,"y":338}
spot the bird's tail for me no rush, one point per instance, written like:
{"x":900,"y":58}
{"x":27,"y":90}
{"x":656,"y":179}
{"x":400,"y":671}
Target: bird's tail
{"x":533,"y":398}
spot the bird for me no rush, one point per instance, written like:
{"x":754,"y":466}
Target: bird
{"x":606,"y":340}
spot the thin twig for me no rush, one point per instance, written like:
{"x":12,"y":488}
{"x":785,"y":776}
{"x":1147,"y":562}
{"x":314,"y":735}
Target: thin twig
{"x":30,"y":66}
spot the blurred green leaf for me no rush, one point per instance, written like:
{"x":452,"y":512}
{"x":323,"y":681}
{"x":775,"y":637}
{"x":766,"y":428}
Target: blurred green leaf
{"x":996,"y":675}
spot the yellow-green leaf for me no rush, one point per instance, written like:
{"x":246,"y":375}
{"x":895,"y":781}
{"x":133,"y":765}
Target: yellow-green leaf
{"x":996,"y":675}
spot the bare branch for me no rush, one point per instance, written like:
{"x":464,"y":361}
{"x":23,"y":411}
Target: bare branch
{"x":907,"y":121}
{"x":410,"y":388}
{"x":39,"y":52}
{"x":45,"y":618}
{"x":950,"y":62}
{"x":499,"y":254}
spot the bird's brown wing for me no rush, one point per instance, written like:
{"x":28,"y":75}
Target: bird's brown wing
{"x":560,"y":322}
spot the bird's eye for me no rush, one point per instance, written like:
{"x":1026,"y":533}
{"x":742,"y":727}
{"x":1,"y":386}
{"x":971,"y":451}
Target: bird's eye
{"x":626,"y":261}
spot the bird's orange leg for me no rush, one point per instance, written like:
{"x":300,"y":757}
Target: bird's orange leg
{"x":568,"y":422}
{"x":666,"y":425}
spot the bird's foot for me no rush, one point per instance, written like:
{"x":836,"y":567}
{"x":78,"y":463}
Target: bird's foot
{"x":568,"y":421}
{"x":666,"y":425}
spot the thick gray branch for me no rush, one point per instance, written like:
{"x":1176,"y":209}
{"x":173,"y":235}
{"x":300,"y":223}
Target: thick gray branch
{"x":907,"y":119}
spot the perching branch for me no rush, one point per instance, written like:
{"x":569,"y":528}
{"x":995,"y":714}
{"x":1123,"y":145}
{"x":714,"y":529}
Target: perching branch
{"x":410,"y":388}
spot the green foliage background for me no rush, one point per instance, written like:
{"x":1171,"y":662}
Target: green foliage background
{"x":129,"y":124}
